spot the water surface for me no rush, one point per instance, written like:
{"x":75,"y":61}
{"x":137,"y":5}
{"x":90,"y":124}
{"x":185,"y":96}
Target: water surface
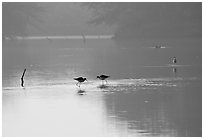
{"x":145,"y":96}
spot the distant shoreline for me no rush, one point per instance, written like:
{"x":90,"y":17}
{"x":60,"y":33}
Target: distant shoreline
{"x":60,"y":37}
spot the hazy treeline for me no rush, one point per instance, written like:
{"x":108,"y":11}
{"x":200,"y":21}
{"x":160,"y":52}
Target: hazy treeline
{"x":129,"y":19}
{"x":149,"y":19}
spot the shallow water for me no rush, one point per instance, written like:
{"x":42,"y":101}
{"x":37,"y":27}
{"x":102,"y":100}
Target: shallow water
{"x":145,"y":95}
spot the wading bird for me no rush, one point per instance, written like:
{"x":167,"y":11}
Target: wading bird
{"x":174,"y":60}
{"x":103,"y":77}
{"x":84,"y":38}
{"x":80,"y":80}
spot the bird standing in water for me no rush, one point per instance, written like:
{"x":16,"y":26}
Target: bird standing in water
{"x":84,"y":38}
{"x":80,"y":80}
{"x":174,"y":60}
{"x":103,"y":77}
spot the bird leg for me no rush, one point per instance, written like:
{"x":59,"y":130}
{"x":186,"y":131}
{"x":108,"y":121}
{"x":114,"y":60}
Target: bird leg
{"x":77,"y":84}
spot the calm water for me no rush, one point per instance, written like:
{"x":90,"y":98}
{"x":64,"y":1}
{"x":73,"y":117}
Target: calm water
{"x":145,"y":96}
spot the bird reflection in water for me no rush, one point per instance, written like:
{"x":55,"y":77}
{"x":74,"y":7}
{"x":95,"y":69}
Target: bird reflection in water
{"x":102,"y":86}
{"x":81,"y":92}
{"x":175,"y":72}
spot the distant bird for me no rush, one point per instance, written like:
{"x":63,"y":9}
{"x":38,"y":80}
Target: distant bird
{"x":84,"y":38}
{"x":80,"y":80}
{"x":49,"y":39}
{"x":103,"y":77}
{"x":158,"y":46}
{"x":174,"y":60}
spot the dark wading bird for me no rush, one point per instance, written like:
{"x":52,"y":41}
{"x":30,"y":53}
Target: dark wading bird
{"x":80,"y":80}
{"x":103,"y":77}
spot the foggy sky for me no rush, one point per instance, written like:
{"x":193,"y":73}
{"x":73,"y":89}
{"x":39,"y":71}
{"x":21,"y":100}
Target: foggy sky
{"x":136,"y":19}
{"x":151,"y":19}
{"x":68,"y":19}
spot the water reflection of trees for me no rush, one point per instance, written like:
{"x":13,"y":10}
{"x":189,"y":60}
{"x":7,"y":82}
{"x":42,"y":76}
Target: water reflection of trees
{"x":17,"y":15}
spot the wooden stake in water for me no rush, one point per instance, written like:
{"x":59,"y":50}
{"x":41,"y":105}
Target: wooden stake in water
{"x":22,"y":81}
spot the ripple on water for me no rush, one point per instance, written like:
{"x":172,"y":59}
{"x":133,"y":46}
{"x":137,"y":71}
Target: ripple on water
{"x":113,"y":86}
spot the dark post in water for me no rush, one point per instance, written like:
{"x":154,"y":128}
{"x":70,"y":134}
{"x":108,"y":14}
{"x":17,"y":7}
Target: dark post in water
{"x":22,"y":81}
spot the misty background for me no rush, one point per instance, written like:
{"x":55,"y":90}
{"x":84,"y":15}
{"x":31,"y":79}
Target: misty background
{"x":38,"y":19}
{"x":135,"y":27}
{"x":129,"y":20}
{"x":146,"y":95}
